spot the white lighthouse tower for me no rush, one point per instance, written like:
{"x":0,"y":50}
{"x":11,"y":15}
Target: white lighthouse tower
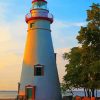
{"x":39,"y":77}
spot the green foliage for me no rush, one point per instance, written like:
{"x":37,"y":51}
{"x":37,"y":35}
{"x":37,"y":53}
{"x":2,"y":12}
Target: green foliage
{"x":72,"y":68}
{"x":83,"y":70}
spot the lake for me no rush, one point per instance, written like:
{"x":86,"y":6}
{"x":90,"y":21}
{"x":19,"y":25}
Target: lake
{"x":13,"y":94}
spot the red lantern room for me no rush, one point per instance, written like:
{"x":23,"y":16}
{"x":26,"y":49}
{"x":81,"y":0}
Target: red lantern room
{"x":39,"y":11}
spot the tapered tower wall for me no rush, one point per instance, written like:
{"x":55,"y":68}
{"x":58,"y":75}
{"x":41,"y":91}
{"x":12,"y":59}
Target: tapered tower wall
{"x":39,"y":51}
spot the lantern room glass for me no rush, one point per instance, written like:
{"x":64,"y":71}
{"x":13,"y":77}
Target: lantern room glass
{"x":39,"y":5}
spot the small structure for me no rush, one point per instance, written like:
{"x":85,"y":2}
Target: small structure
{"x":67,"y":98}
{"x":68,"y":95}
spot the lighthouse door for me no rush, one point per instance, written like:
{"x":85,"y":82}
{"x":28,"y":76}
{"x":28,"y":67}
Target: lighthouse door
{"x":30,"y":93}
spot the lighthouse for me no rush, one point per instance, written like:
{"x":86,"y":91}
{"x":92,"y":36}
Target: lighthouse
{"x":39,"y":76}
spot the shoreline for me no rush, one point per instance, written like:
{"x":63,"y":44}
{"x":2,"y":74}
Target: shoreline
{"x":8,"y":99}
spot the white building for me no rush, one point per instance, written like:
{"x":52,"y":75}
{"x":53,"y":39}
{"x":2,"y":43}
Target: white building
{"x":39,"y":77}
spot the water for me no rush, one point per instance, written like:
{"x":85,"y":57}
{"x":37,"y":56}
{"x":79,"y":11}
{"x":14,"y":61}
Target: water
{"x":13,"y":94}
{"x":79,"y":93}
{"x":8,"y":94}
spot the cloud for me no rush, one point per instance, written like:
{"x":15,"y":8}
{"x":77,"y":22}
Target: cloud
{"x":12,"y":36}
{"x":65,"y":24}
{"x":64,"y":33}
{"x":12,"y":41}
{"x":62,"y":50}
{"x":61,"y":62}
{"x":10,"y":69}
{"x":11,"y":57}
{"x":2,"y":10}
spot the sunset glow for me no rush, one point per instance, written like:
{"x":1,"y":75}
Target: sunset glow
{"x":13,"y":33}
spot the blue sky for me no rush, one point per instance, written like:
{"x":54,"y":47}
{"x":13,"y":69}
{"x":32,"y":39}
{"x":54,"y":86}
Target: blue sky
{"x":67,"y":12}
{"x":69,"y":15}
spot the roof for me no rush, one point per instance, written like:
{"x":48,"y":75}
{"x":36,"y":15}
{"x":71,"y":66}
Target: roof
{"x":38,"y":0}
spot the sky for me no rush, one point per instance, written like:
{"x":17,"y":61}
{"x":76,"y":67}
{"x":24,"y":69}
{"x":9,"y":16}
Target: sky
{"x":69,"y":15}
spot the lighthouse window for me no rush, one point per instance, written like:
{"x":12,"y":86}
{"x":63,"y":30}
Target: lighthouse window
{"x":38,"y":70}
{"x":31,"y":25}
{"x":39,"y":5}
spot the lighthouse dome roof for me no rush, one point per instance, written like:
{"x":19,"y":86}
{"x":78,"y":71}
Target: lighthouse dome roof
{"x":38,"y":0}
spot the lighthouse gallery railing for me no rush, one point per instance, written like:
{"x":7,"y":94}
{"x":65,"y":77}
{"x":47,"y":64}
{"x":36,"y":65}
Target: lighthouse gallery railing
{"x":39,"y":15}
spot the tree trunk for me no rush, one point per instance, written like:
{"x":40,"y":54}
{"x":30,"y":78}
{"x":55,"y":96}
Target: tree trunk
{"x":92,"y":90}
{"x":88,"y":92}
{"x":85,"y":92}
{"x":71,"y":91}
{"x":96,"y":93}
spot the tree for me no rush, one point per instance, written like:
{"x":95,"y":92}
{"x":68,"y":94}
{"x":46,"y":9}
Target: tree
{"x":83,"y":69}
{"x":72,"y":68}
{"x":89,"y":38}
{"x":74,"y":77}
